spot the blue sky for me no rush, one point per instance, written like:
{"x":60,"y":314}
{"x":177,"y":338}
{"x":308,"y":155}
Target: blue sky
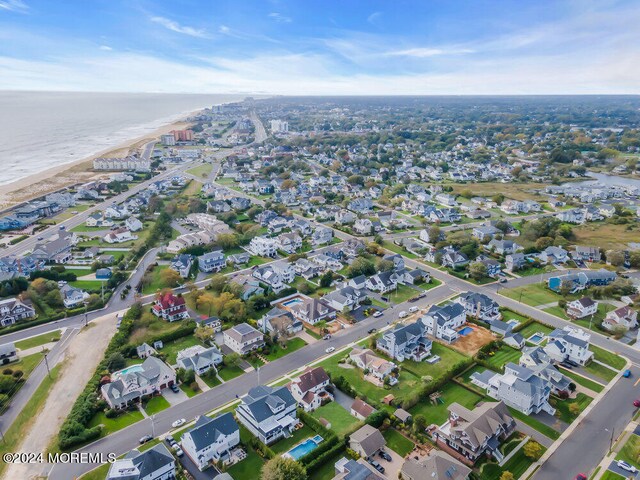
{"x":322,"y":47}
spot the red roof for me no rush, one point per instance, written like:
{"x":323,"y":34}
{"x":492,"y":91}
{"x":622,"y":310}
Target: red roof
{"x":169,"y":300}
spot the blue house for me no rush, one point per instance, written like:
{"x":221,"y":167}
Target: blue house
{"x":581,"y":280}
{"x":212,"y":262}
{"x":103,"y":274}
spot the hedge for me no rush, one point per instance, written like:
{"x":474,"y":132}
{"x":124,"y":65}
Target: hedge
{"x":74,"y":430}
{"x":330,"y":438}
{"x":320,"y":460}
{"x":13,"y":241}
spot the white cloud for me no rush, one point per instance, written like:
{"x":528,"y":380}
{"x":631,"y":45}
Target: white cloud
{"x":176,"y":27}
{"x":14,"y":6}
{"x":373,"y":17}
{"x":278,"y":17}
{"x":425,"y":52}
{"x":105,"y":48}
{"x":224,"y":30}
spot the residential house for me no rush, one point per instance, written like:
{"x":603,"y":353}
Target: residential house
{"x":250,"y":286}
{"x":553,"y":255}
{"x":361,"y":409}
{"x":625,"y":317}
{"x":581,"y":280}
{"x":479,"y":306}
{"x":213,"y":261}
{"x":156,"y":463}
{"x":348,"y":469}
{"x":569,"y":343}
{"x":483,"y":232}
{"x":239,"y":258}
{"x":145,"y":350}
{"x":309,"y":310}
{"x":55,"y":250}
{"x":170,"y":307}
{"x":406,"y":342}
{"x":211,"y":440}
{"x":310,"y":388}
{"x":382,"y":282}
{"x":280,"y":322}
{"x":396,"y":259}
{"x":517,"y":387}
{"x":13,"y":310}
{"x":199,"y":359}
{"x":586,"y":254}
{"x":182,"y":264}
{"x":442,"y":322}
{"x":129,"y":385}
{"x":97,"y":219}
{"x":436,"y":465}
{"x":133,"y":224}
{"x":373,"y":365}
{"x":453,"y":259}
{"x":119,"y":235}
{"x":263,"y":247}
{"x":515,"y":262}
{"x":367,"y":441}
{"x":536,"y":360}
{"x":363,"y":226}
{"x":270,"y":277}
{"x":243,"y":338}
{"x":470,"y":434}
{"x":582,"y":307}
{"x":289,"y":242}
{"x":345,"y":298}
{"x":72,"y":296}
{"x":503,"y":247}
{"x":269,"y":413}
{"x":321,"y":236}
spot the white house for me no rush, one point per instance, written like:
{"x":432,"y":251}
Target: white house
{"x":243,"y":338}
{"x":211,"y":440}
{"x":310,"y":388}
{"x":72,"y":296}
{"x":199,"y":359}
{"x":582,"y":307}
{"x":442,"y":322}
{"x":157,"y":463}
{"x":263,"y":246}
{"x":570,"y":343}
{"x":625,"y":317}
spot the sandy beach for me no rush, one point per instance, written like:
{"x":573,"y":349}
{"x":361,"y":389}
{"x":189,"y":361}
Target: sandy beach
{"x":79,"y":171}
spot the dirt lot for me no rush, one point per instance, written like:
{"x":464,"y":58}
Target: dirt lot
{"x":471,"y":342}
{"x":81,"y":358}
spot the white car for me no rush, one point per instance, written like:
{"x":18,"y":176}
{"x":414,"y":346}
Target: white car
{"x":330,"y":349}
{"x":413,"y":309}
{"x":377,"y":314}
{"x":626,"y":466}
{"x":403,"y":314}
{"x":179,"y":452}
{"x":178,"y":423}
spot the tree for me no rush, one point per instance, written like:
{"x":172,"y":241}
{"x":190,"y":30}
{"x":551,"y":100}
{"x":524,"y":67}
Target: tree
{"x":204,"y":333}
{"x":477,"y":270}
{"x":232,"y":360}
{"x":116,"y":362}
{"x":218,"y":283}
{"x":533,"y":450}
{"x":544,"y":242}
{"x":615,"y":258}
{"x":206,"y":300}
{"x":574,"y":409}
{"x":434,"y":233}
{"x":170,"y":278}
{"x":507,"y":475}
{"x":281,"y":468}
{"x":326,"y":279}
{"x":565,"y":289}
{"x":419,"y":423}
{"x":385,"y":265}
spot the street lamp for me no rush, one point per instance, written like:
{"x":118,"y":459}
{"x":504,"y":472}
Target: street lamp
{"x":86,"y":304}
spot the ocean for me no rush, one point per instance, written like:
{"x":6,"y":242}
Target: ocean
{"x":42,"y":130}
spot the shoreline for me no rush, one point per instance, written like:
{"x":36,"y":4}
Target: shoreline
{"x":78,"y":171}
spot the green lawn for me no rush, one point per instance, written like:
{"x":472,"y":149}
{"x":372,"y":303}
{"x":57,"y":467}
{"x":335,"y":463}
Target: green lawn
{"x":630,"y":451}
{"x":341,"y":420}
{"x":534,"y":294}
{"x":201,"y":170}
{"x":156,"y":281}
{"x":609,"y":475}
{"x":39,"y":340}
{"x":171,"y":349}
{"x":398,"y":249}
{"x":517,"y":465}
{"x":156,"y":404}
{"x":285,"y":444}
{"x":402,"y":294}
{"x":508,"y":314}
{"x":27,"y":363}
{"x":355,"y":378}
{"x":229,"y":373}
{"x":450,"y":393}
{"x":114,"y":424}
{"x":585,"y":382}
{"x":535,"y":327}
{"x":466,"y":377}
{"x":87,"y":285}
{"x":562,"y":406}
{"x":189,"y":392}
{"x":398,"y":442}
{"x":211,"y":379}
{"x":501,"y":357}
{"x":533,"y":423}
{"x":292,"y":345}
{"x":247,"y":469}
{"x":448,"y":357}
{"x":601,"y":371}
{"x":610,"y":358}
{"x":327,"y":470}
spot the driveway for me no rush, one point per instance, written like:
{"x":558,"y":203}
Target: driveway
{"x":391,"y":468}
{"x":196,"y":474}
{"x":174,"y":398}
{"x":343,"y":399}
{"x":358,"y":315}
{"x":613,"y":467}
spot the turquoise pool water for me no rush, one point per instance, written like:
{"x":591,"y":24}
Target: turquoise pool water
{"x":536,"y":338}
{"x":465,"y":331}
{"x":131,"y":369}
{"x":293,"y":301}
{"x":305,"y":447}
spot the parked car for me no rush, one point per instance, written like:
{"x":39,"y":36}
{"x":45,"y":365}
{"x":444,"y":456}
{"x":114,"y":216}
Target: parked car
{"x":502,"y":279}
{"x":626,"y":373}
{"x":145,"y":439}
{"x":175,"y":388}
{"x":179,"y":452}
{"x":327,"y":336}
{"x":580,"y":476}
{"x":377,"y":314}
{"x":178,"y":423}
{"x":403,"y":314}
{"x":371,"y":330}
{"x":413,"y":309}
{"x":636,"y":403}
{"x":377,"y":466}
{"x":385,"y":455}
{"x":384,"y":299}
{"x":40,"y":238}
{"x":170,"y":440}
{"x":625,"y":466}
{"x":566,"y":365}
{"x":330,"y":349}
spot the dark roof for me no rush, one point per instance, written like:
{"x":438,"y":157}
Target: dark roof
{"x":207,"y":430}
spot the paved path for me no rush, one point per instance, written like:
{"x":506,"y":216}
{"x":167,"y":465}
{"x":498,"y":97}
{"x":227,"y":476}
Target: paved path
{"x":533,"y":433}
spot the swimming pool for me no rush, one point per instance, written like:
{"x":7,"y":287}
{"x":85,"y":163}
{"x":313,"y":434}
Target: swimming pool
{"x":513,"y":322}
{"x":305,"y":447}
{"x":536,"y":338}
{"x":465,"y":331}
{"x":131,"y":369}
{"x":291,"y":302}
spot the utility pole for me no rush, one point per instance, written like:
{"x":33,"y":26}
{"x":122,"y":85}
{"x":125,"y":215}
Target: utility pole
{"x":46,"y":363}
{"x":153,"y":426}
{"x":85,"y":313}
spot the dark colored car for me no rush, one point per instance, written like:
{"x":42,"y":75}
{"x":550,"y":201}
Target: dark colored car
{"x":636,"y":403}
{"x":372,"y":330}
{"x":385,"y":455}
{"x":580,"y":476}
{"x":170,"y":440}
{"x":174,"y":388}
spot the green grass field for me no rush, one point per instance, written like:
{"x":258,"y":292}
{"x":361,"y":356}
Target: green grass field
{"x":503,"y":356}
{"x":517,"y":465}
{"x":114,"y":424}
{"x":562,"y":406}
{"x":448,"y":357}
{"x":630,"y":451}
{"x":292,"y":345}
{"x":534,"y":294}
{"x":156,"y":280}
{"x":39,"y":340}
{"x":201,"y":170}
{"x":600,"y":371}
{"x":229,"y":373}
{"x":398,"y":442}
{"x":341,"y":420}
{"x":450,"y":393}
{"x":171,"y":349}
{"x":535,"y":327}
{"x":398,"y":249}
{"x":156,"y":404}
{"x":285,"y":444}
{"x":402,"y":294}
{"x":585,"y":382}
{"x":610,"y":358}
{"x":532,"y":422}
